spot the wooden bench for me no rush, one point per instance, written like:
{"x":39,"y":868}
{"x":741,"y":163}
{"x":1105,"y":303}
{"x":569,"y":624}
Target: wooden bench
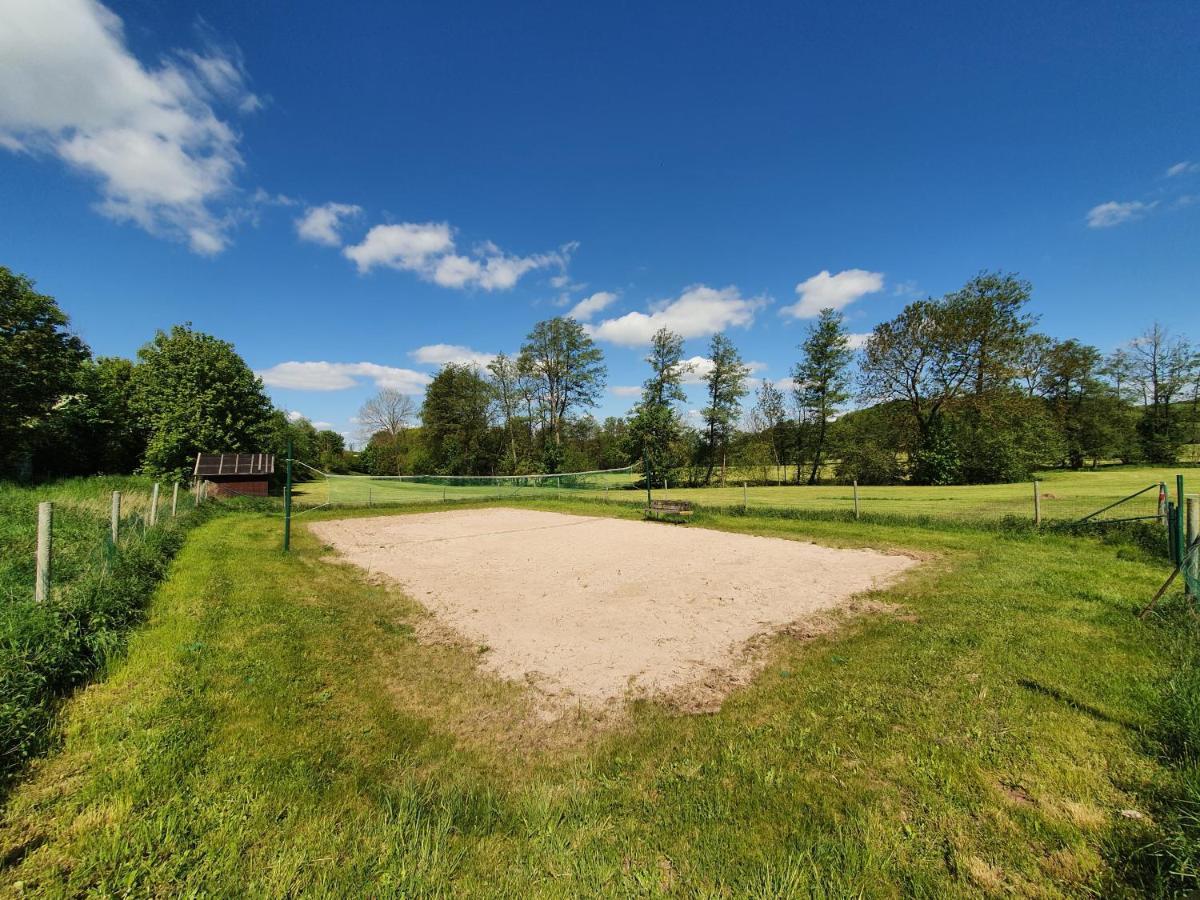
{"x":680,"y":508}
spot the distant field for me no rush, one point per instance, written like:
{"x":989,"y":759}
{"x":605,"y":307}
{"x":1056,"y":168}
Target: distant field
{"x":1064,"y":495}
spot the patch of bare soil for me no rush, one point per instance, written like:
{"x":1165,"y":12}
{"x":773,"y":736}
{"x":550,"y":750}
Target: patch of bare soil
{"x":591,"y":611}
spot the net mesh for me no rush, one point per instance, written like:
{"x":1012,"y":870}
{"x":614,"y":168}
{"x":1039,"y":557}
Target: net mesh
{"x":371,"y":490}
{"x":1191,"y":570}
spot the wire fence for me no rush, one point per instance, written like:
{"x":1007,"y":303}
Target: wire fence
{"x":56,"y":536}
{"x":1059,"y":498}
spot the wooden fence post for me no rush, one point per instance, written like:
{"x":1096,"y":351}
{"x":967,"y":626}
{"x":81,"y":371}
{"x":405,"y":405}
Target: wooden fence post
{"x":41,"y":587}
{"x":174,"y":499}
{"x":856,"y":499}
{"x":1037,"y":502}
{"x":153,"y":518}
{"x":116,"y":517}
{"x":745,"y":497}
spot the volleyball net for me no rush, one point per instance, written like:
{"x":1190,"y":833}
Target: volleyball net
{"x":379,"y":490}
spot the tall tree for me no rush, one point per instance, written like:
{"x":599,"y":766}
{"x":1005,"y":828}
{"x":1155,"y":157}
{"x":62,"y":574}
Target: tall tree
{"x":1163,"y":366}
{"x":196,"y":394}
{"x":1118,"y":369}
{"x":988,"y":313}
{"x":771,"y":412}
{"x":39,"y":362}
{"x":567,"y":368}
{"x":822,"y":382}
{"x":455,"y":422}
{"x":961,"y":352}
{"x":655,"y":428}
{"x":390,"y":411}
{"x":726,"y":383}
{"x":506,"y":384}
{"x":1072,"y":392}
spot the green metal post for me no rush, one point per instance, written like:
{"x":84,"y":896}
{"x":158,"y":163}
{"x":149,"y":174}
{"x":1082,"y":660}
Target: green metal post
{"x":1179,"y":522}
{"x":287,"y":502}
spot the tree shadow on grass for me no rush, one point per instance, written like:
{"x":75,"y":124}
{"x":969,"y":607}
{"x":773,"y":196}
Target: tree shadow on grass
{"x":1086,"y":708}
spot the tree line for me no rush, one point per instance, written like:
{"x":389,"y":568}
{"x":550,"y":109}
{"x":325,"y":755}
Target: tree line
{"x":955,"y":390}
{"x":959,"y":389}
{"x":64,"y":411}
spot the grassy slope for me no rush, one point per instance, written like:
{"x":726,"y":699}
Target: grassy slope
{"x":1066,"y":495}
{"x":286,"y":733}
{"x":97,"y":593}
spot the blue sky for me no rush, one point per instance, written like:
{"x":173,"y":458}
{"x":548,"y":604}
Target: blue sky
{"x":351,"y":193}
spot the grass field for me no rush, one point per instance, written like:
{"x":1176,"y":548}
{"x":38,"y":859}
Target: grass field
{"x":1065,"y":495}
{"x":1004,"y":725}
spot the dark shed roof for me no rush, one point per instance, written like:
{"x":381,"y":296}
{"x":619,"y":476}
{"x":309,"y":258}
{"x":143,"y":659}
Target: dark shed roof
{"x":212,"y":464}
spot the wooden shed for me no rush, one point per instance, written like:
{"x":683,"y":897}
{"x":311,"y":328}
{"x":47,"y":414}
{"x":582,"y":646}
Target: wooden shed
{"x":236,"y":474}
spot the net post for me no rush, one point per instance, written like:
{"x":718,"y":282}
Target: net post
{"x":646,"y":472}
{"x":1192,"y":531}
{"x":287,"y":502}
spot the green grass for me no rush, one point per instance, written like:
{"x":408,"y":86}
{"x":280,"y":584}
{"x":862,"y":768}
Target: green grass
{"x":1066,"y":496}
{"x":278,"y":729}
{"x":97,"y":593}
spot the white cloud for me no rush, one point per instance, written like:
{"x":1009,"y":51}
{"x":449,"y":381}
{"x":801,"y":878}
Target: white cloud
{"x":589,"y":306}
{"x":785,"y":384}
{"x":428,"y":249}
{"x":625,"y":390}
{"x":327,"y":376}
{"x":408,"y":246}
{"x":70,"y":87}
{"x":1186,"y":167}
{"x":323,"y":426}
{"x":321,"y":224}
{"x":440,"y":354}
{"x":826,"y":291}
{"x":1106,"y":215}
{"x":697,"y":368}
{"x":858,"y":340}
{"x":698,"y":311}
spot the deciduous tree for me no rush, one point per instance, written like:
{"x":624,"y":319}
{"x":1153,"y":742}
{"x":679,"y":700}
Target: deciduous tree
{"x":726,"y":384}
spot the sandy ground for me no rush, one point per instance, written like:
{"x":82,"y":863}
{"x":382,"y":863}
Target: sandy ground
{"x":592,"y":610}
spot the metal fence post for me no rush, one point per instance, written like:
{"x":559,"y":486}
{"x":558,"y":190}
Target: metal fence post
{"x":1192,"y":532}
{"x":116,"y":517}
{"x":287,"y":502}
{"x":41,"y":586}
{"x":1037,"y":502}
{"x":1180,"y":544}
{"x":646,"y":472}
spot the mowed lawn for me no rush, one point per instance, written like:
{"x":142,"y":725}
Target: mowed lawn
{"x":279,"y":729}
{"x":1065,"y":495}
